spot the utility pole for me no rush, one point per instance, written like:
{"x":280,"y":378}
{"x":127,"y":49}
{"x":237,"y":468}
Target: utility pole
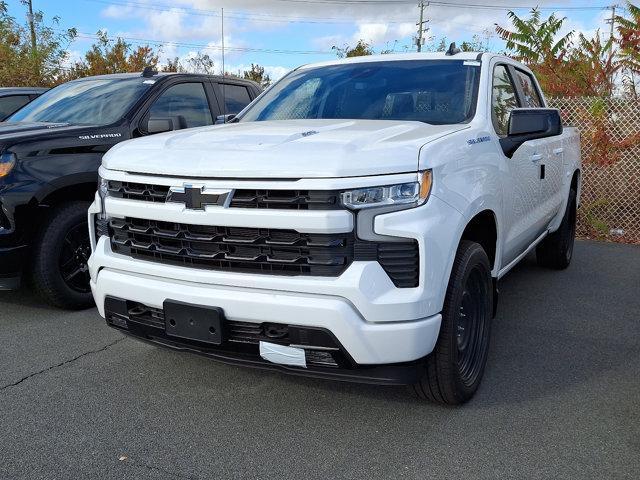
{"x":420,"y":24}
{"x":32,"y":26}
{"x":612,"y":22}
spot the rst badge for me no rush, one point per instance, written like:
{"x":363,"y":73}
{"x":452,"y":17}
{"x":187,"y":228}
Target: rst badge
{"x":198,"y":197}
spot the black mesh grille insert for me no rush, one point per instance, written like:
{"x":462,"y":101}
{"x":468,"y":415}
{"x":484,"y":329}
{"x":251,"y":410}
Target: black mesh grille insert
{"x":138,"y":191}
{"x":286,"y":199}
{"x":259,"y":250}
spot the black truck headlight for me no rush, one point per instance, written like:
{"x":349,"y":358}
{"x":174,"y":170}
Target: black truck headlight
{"x":402,"y":194}
{"x":7,"y":162}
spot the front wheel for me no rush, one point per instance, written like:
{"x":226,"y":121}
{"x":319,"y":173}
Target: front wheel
{"x":61,"y":251}
{"x":455,"y":367}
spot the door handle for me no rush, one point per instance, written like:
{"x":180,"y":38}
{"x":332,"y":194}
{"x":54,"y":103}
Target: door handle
{"x":536,"y":157}
{"x":558,"y":151}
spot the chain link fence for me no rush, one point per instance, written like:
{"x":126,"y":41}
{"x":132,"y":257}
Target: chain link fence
{"x":610,"y":134}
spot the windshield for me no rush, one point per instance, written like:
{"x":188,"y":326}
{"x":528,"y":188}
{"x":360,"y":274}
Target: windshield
{"x":98,"y":101}
{"x":431,"y":91}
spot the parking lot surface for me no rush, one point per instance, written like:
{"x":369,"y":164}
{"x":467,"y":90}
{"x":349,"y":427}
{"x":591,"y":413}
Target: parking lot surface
{"x":560,"y":397}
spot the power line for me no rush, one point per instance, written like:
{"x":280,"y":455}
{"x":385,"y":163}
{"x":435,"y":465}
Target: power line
{"x":204,"y":46}
{"x":442,"y":4}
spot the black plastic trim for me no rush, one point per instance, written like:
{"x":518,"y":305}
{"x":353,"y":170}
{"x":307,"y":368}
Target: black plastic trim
{"x":117,"y":313}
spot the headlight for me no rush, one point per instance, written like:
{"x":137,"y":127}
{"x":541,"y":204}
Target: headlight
{"x":103,"y":188}
{"x":415,"y":193}
{"x":7,"y":162}
{"x":102,"y":220}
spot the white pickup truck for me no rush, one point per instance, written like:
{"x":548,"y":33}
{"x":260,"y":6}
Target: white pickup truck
{"x":351,"y":223}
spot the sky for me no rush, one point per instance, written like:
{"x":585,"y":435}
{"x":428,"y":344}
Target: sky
{"x":282,"y":34}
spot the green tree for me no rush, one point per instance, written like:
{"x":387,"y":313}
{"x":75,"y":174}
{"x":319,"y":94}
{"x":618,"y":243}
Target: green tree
{"x":21,"y":64}
{"x":256,"y":73}
{"x":629,"y":53}
{"x":534,"y":40}
{"x":361,"y":48}
{"x":112,"y":56}
{"x":201,"y":63}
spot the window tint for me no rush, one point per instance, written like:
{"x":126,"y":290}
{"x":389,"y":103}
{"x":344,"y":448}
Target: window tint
{"x":10,"y":104}
{"x":431,"y":91}
{"x":531,"y":98}
{"x":236,"y":97}
{"x":503,"y":99}
{"x":186,"y":100}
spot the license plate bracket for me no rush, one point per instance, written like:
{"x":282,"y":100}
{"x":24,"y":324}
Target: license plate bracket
{"x":193,"y":322}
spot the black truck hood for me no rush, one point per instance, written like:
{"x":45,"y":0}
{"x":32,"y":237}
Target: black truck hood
{"x":12,"y":133}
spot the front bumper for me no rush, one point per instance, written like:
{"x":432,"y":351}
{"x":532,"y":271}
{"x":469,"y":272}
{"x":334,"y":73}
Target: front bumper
{"x":366,"y":343}
{"x":11,"y":261}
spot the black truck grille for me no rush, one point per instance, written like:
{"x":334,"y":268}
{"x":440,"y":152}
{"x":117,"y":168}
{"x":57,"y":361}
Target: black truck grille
{"x":242,"y":198}
{"x":286,"y":199}
{"x":259,"y":250}
{"x":138,"y":191}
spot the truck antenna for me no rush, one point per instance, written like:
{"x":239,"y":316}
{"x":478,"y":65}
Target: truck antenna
{"x":452,"y":49}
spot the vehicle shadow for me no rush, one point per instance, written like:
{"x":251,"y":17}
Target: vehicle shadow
{"x":550,"y":334}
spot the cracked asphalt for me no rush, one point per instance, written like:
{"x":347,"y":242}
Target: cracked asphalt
{"x":560,"y":397}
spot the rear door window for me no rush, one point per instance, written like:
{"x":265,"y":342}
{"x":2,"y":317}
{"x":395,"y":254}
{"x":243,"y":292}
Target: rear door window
{"x":11,"y":104}
{"x":236,"y":97}
{"x":185,"y":100}
{"x":531,"y":96}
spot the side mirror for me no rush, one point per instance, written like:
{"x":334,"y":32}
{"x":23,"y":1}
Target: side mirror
{"x":225,"y":118}
{"x":165,"y":124}
{"x":159,"y":125}
{"x":530,"y":124}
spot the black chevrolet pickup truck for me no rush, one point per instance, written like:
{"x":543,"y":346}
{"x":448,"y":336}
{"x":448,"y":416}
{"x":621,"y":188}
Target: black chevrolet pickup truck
{"x":50,"y":151}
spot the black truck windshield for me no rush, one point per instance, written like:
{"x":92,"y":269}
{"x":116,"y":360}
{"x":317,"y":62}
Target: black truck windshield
{"x":431,"y":91}
{"x":95,"y":101}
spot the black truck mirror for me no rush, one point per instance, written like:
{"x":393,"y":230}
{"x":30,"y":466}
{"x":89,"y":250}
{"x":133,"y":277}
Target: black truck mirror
{"x":530,"y":124}
{"x":165,"y":124}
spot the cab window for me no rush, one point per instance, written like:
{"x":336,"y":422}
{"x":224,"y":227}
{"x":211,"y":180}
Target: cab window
{"x":236,"y":97}
{"x":11,"y":104}
{"x":531,"y":96}
{"x":503,"y":99}
{"x":188,"y":101}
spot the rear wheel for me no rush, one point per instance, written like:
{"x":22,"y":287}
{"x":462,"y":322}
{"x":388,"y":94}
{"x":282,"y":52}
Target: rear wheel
{"x":60,"y":271}
{"x":455,"y":367}
{"x":556,"y":250}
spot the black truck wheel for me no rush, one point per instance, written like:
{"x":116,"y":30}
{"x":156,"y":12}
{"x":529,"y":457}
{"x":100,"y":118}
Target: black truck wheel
{"x":454,"y":369}
{"x":556,"y":250}
{"x":61,"y":250}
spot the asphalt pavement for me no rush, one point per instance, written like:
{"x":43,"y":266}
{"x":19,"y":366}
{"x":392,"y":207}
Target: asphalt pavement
{"x":560,"y":397}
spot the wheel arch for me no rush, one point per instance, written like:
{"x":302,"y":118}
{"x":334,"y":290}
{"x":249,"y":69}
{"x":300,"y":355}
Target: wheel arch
{"x":482,"y":228}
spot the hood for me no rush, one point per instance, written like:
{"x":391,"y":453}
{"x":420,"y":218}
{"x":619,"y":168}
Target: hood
{"x":280,"y":149}
{"x":10,"y":131}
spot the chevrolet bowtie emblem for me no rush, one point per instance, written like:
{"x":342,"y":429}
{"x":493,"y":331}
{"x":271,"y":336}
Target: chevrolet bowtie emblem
{"x":197,"y":197}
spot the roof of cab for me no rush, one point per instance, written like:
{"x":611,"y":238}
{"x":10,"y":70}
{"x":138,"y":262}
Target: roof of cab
{"x":158,"y":75}
{"x":15,"y":90}
{"x":391,"y":57}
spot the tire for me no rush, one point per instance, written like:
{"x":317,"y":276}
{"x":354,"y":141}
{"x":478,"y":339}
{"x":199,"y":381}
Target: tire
{"x":556,"y":250}
{"x":454,"y":369}
{"x":60,"y":274}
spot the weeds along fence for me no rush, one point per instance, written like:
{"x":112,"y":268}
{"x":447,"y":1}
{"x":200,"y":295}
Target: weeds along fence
{"x":610,"y":134}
